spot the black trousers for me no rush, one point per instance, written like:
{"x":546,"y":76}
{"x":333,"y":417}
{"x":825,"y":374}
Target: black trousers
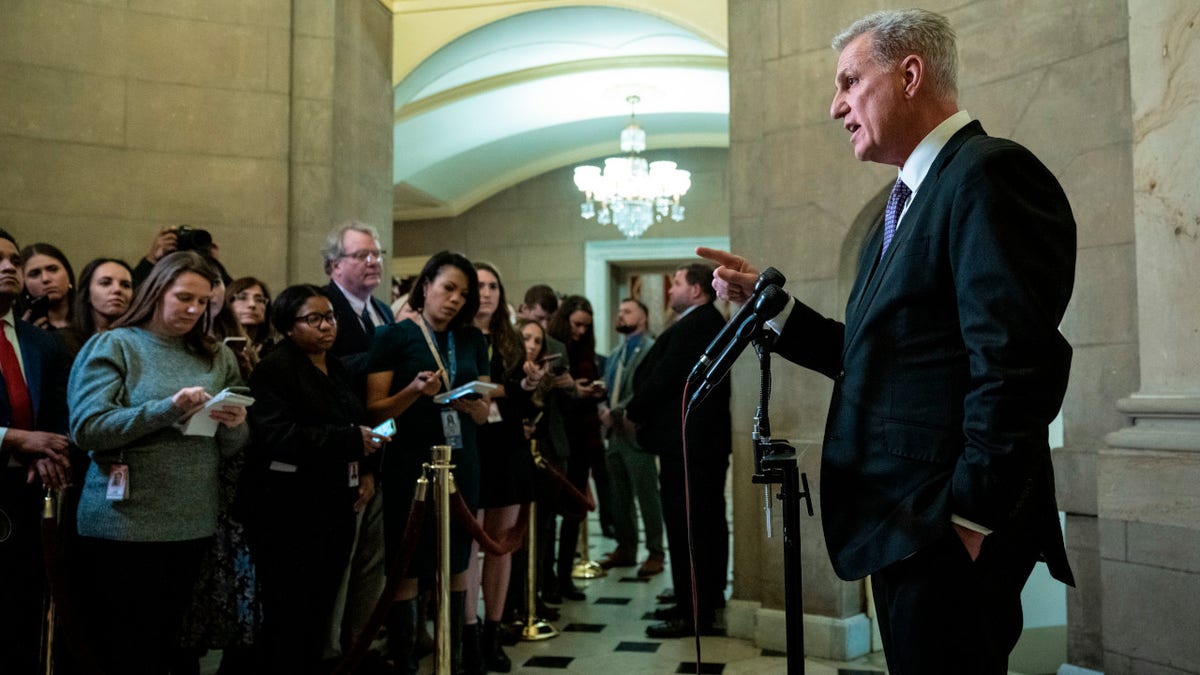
{"x":133,"y":596}
{"x":22,"y":574}
{"x":710,"y":529}
{"x":939,"y":612}
{"x":300,"y":559}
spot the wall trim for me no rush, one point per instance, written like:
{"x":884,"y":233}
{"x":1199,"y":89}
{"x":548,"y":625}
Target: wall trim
{"x":599,"y":255}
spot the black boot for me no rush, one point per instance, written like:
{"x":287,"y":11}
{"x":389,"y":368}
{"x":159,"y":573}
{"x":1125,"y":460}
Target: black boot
{"x":493,"y":653}
{"x":472,"y":659}
{"x":458,"y":601}
{"x":402,"y":636}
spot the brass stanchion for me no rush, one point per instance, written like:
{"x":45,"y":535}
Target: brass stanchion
{"x":441,"y":466}
{"x":49,"y":511}
{"x":533,"y":627}
{"x":585,"y":567}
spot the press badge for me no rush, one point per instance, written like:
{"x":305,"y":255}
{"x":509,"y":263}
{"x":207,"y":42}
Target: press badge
{"x":494,"y":413}
{"x":352,"y":474}
{"x":451,"y":428}
{"x":118,"y":483}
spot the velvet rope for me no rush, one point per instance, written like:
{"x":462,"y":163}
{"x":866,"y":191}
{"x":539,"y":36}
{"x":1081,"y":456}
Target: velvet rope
{"x":64,"y":609}
{"x":395,"y":574}
{"x":509,"y":541}
{"x":580,"y":499}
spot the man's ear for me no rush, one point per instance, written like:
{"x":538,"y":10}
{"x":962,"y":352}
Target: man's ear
{"x":913,"y":69}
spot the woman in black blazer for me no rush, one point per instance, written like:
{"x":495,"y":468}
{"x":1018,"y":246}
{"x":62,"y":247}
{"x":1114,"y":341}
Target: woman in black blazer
{"x":310,"y":469}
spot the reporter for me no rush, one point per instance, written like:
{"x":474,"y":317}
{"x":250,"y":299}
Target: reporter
{"x":409,"y":363}
{"x":311,"y":468}
{"x":249,"y":298}
{"x":49,"y":282}
{"x":149,"y":501}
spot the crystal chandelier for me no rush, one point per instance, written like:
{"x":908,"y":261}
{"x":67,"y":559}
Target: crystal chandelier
{"x":633,"y":194}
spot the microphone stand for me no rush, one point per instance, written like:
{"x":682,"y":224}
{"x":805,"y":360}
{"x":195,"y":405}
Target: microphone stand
{"x":775,"y":464}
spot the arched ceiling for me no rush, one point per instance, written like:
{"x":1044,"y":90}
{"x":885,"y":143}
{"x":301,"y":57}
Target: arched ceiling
{"x":542,"y":89}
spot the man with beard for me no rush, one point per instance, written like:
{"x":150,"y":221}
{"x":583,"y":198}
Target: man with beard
{"x":632,"y":472}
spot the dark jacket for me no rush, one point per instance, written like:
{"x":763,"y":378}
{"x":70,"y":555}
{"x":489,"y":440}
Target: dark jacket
{"x":950,"y":365}
{"x":353,"y":341}
{"x":658,"y":390}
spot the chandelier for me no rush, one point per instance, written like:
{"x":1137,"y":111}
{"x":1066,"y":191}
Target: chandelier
{"x":632,"y":193}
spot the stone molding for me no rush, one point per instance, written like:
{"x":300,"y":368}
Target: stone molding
{"x":825,"y":637}
{"x":1159,"y":422}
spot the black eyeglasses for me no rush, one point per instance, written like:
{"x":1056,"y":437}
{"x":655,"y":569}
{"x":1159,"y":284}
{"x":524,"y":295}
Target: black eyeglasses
{"x":366,"y":256}
{"x":247,"y":297}
{"x":316,"y":318}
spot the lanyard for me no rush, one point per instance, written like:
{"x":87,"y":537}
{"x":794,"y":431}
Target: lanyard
{"x":447,"y":373}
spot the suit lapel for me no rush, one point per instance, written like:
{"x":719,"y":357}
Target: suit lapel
{"x":876,"y":268}
{"x":31,"y":354}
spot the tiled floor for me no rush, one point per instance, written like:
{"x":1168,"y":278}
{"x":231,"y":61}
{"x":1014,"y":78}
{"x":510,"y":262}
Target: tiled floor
{"x":607,"y":634}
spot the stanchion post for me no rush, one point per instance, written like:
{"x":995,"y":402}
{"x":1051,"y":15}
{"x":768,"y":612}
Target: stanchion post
{"x":534,"y":628}
{"x":441,"y":467}
{"x":586,"y":568}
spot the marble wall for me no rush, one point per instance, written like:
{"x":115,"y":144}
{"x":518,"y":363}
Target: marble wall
{"x":1149,"y":506}
{"x":533,"y":232}
{"x":119,"y":118}
{"x":1051,"y":75}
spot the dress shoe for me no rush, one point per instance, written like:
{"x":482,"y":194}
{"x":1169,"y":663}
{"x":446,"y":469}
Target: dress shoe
{"x":570,"y":591}
{"x":667,"y":597}
{"x":618,"y":558}
{"x":672,"y":612}
{"x":546,"y":612}
{"x":652,"y":566}
{"x":677,"y":628}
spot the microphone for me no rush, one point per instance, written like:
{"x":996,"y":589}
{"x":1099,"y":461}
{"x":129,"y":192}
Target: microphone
{"x":771,"y":301}
{"x":768,"y":277}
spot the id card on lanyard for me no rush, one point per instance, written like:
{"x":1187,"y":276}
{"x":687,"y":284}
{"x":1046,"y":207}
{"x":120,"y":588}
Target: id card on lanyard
{"x":451,"y":425}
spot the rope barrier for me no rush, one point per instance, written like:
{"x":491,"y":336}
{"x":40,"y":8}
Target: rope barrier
{"x":395,"y":574}
{"x":509,"y":541}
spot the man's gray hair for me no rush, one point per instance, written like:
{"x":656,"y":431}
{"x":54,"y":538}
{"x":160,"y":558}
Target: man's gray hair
{"x":896,"y":33}
{"x":333,"y":243}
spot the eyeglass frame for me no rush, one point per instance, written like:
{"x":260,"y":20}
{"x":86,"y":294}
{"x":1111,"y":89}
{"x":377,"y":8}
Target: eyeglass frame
{"x":320,"y":318}
{"x":366,"y":255}
{"x":257,"y":298}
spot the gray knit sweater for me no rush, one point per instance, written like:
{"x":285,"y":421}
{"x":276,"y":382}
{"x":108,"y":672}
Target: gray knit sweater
{"x":120,"y":401}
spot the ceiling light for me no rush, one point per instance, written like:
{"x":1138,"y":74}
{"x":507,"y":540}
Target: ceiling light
{"x":632,"y":194}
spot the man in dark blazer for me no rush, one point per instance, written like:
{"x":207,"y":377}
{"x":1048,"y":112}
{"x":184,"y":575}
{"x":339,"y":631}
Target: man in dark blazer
{"x":936,"y":476}
{"x":33,"y":456}
{"x":354,"y":262}
{"x":656,"y":411}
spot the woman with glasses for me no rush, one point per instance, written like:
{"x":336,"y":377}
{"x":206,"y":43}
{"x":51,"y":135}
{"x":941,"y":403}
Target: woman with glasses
{"x":311,"y":468}
{"x":410,"y":362}
{"x":248,"y":299}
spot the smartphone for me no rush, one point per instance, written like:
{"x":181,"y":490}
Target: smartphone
{"x":598,"y":384}
{"x":236,"y":343}
{"x":388,"y":428}
{"x":548,"y":358}
{"x":39,"y":308}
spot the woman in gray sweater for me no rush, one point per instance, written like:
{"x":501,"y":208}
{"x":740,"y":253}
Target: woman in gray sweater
{"x":149,"y":501}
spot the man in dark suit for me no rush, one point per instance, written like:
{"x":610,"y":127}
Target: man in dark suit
{"x":354,"y":262}
{"x":33,"y":456}
{"x":656,"y":412}
{"x":936,"y":475}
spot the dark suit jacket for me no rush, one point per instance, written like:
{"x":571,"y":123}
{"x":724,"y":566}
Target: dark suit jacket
{"x":658,"y":391}
{"x":353,"y":342}
{"x":46,"y":371}
{"x":307,"y":419}
{"x":950,"y":365}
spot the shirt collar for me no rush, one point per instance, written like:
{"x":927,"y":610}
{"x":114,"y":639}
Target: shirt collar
{"x":356,"y":303}
{"x":9,"y":318}
{"x":918,"y":164}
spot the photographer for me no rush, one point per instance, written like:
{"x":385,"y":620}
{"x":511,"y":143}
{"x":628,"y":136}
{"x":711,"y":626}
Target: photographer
{"x":180,"y":238}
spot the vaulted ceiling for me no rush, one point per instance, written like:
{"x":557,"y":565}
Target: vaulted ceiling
{"x":536,"y":90}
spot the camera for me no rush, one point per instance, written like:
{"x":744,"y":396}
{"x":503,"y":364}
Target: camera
{"x":193,"y":239}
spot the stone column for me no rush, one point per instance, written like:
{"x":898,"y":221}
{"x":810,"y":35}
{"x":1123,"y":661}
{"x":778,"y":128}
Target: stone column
{"x":341,"y":126}
{"x":1149,"y":505}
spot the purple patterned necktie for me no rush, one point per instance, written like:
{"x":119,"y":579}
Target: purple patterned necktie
{"x":895,"y":206}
